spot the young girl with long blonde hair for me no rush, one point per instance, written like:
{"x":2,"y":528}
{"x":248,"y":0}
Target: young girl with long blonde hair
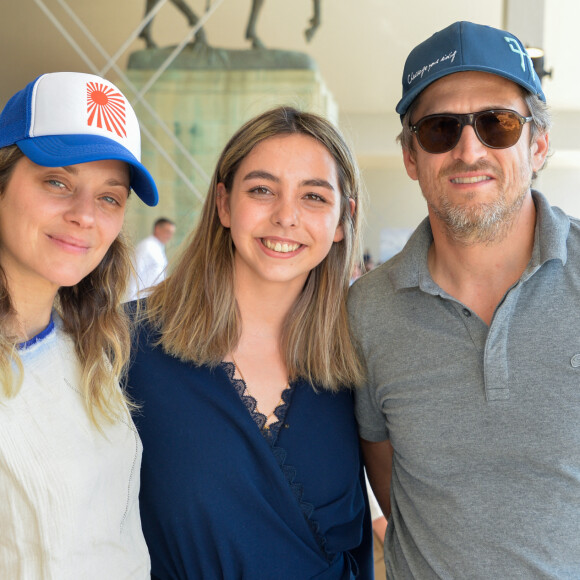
{"x":244,"y":368}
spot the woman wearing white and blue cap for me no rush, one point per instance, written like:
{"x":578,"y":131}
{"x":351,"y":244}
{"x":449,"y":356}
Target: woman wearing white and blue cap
{"x":69,"y":453}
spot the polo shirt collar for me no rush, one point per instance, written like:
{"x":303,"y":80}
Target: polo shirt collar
{"x":409,"y":269}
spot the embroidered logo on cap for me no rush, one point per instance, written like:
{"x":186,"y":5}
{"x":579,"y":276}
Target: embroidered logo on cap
{"x":515,"y":47}
{"x":106,"y":108}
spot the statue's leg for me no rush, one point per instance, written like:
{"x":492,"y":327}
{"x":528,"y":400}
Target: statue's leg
{"x":251,"y":29}
{"x":145,"y":34}
{"x":314,"y":21}
{"x":191,"y":18}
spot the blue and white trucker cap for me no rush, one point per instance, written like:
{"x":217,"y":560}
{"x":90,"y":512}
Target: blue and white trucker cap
{"x":65,"y":118}
{"x":465,"y":46}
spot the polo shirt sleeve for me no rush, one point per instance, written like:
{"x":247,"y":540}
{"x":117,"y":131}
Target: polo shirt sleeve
{"x":370,"y":418}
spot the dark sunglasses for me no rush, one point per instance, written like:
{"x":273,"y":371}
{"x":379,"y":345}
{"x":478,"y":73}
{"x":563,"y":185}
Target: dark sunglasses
{"x":497,"y":129}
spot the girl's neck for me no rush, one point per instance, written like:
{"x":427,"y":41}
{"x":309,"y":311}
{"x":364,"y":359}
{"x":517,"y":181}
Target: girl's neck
{"x":264,"y":305}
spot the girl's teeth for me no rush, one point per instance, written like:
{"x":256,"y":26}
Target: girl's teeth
{"x":283,"y":248}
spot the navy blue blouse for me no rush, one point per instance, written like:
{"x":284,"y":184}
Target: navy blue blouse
{"x":220,"y":499}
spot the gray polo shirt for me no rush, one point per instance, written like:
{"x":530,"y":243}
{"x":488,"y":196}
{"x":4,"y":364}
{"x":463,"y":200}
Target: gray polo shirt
{"x":485,"y":421}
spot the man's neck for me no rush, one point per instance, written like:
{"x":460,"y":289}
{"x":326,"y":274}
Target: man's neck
{"x":480,"y":274}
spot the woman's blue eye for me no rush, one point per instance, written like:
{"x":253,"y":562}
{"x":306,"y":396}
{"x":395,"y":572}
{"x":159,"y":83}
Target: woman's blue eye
{"x":111,"y":200}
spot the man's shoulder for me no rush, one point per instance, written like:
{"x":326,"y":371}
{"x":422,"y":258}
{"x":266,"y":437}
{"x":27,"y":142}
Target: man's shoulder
{"x":574,"y":226}
{"x":557,"y":224}
{"x":375,"y":277}
{"x":375,"y":286}
{"x":380,"y":286}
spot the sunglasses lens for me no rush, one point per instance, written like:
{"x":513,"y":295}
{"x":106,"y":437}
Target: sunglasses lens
{"x":498,"y":129}
{"x":438,"y":134}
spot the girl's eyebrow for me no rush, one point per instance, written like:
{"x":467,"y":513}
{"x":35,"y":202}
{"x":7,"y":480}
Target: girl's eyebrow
{"x":260,"y":174}
{"x":317,"y":183}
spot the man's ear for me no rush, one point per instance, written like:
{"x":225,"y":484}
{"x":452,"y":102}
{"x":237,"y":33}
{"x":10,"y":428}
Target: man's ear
{"x":540,"y":148}
{"x":223,"y":205}
{"x":410,"y":161}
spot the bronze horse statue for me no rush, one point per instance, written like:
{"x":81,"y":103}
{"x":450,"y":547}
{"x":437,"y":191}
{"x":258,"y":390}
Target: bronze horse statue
{"x":251,"y":34}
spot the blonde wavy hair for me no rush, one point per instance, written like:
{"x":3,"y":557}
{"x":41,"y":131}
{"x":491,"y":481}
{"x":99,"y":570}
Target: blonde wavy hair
{"x":92,"y":315}
{"x":195,"y":309}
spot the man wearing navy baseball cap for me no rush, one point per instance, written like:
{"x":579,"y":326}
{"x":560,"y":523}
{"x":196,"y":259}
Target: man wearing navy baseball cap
{"x":470,"y":418}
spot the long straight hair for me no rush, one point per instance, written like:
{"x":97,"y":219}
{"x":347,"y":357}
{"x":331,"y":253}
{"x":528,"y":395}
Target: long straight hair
{"x":92,"y":315}
{"x":195,"y":308}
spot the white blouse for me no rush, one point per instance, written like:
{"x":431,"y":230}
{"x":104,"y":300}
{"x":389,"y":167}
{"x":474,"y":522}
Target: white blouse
{"x":68,"y":494}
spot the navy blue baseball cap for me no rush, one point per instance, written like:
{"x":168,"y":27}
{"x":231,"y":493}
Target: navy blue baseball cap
{"x":465,"y":46}
{"x":66,"y":118}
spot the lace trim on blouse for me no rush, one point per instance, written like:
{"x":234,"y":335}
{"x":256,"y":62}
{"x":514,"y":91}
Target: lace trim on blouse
{"x":271,"y":435}
{"x":272,"y":430}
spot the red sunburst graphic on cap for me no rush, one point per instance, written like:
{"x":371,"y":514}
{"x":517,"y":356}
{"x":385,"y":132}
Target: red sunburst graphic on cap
{"x":106,"y":108}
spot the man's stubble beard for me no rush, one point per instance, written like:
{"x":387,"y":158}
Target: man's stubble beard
{"x":480,"y":223}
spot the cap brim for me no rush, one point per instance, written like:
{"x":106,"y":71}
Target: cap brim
{"x":62,"y":150}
